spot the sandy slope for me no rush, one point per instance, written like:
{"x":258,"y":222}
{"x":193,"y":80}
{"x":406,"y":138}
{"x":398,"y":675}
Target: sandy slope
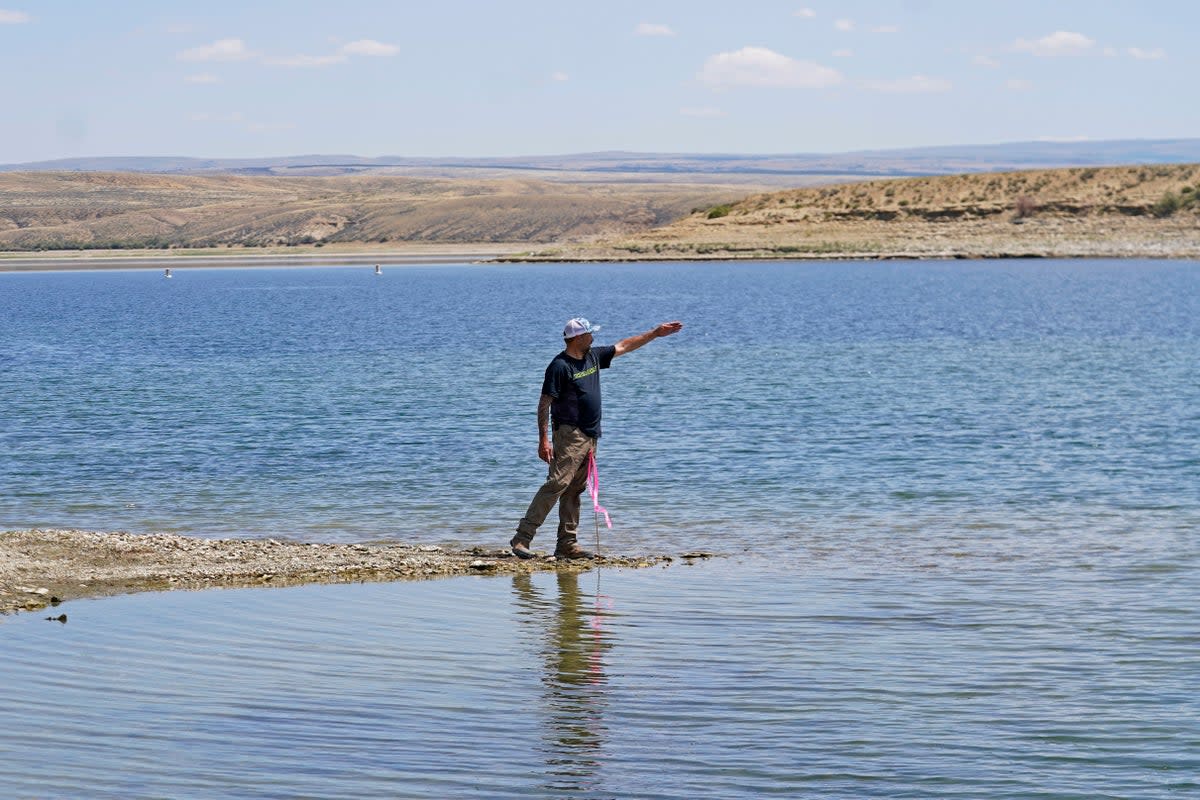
{"x":1093,"y":212}
{"x":47,"y":210}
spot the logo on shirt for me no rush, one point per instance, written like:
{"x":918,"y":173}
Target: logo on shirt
{"x":584,"y":374}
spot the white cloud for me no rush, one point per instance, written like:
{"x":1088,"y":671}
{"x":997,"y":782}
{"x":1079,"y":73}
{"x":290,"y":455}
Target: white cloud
{"x":206,"y":77}
{"x":985,"y":61}
{"x":13,"y":17}
{"x":758,"y":66}
{"x":305,"y":61}
{"x":235,"y":50}
{"x":652,"y":29}
{"x":843,"y":53}
{"x":1157,"y":54}
{"x":704,"y":112}
{"x":559,"y":77}
{"x":1018,"y":85}
{"x":885,"y":29}
{"x":1059,"y":43}
{"x":844,"y":24}
{"x":1111,"y":52}
{"x":369,"y":47}
{"x":917,"y":84}
{"x":807,"y":13}
{"x":220,"y":50}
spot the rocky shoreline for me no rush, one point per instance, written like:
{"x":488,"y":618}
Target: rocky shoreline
{"x":1047,"y":237}
{"x":300,"y":256}
{"x":41,"y":567}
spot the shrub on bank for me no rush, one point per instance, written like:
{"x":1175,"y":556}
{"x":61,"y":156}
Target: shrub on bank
{"x":1166,"y":205}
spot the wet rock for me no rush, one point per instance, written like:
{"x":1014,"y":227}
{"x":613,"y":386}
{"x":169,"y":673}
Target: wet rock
{"x":483,"y":566}
{"x":60,"y":618}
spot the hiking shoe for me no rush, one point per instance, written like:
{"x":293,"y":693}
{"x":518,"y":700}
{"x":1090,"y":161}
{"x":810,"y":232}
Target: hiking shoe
{"x":573,"y":552}
{"x":521,"y":549}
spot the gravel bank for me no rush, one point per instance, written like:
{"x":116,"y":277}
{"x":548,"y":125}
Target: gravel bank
{"x":1101,"y":237}
{"x":38,"y":568}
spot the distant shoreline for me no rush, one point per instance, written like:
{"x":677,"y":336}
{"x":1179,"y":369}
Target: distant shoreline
{"x":1131,"y":212}
{"x":244,"y":257}
{"x":110,"y":260}
{"x":733,"y":256}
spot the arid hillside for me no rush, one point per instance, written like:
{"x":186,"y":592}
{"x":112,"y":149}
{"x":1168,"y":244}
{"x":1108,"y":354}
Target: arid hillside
{"x":1149,"y":210}
{"x":1093,"y":211}
{"x":98,"y":210}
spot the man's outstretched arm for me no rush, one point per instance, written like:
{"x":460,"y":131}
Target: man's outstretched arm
{"x":634,"y":342}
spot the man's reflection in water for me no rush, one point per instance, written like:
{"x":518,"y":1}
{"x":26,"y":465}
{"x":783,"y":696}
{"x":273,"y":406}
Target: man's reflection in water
{"x":573,"y":643}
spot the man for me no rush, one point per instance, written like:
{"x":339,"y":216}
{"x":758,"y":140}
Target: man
{"x":571,"y":399}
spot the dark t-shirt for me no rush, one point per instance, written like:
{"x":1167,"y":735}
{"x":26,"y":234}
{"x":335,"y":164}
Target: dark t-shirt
{"x":575,"y":386}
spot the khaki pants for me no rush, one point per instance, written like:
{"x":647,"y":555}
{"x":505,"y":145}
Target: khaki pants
{"x":564,"y":485}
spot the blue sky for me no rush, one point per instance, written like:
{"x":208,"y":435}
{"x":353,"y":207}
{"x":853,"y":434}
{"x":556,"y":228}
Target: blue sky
{"x":524,"y":77}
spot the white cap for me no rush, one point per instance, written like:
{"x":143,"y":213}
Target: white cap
{"x":578,"y":327}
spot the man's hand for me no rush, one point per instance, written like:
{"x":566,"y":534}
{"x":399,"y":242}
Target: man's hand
{"x":667,"y":328}
{"x":545,"y":451}
{"x":634,"y":342}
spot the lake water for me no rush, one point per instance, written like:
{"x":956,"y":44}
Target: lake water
{"x":959,"y":505}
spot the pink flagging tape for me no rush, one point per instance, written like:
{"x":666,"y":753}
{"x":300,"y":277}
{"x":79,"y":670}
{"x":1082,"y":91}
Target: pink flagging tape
{"x":593,"y":479}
